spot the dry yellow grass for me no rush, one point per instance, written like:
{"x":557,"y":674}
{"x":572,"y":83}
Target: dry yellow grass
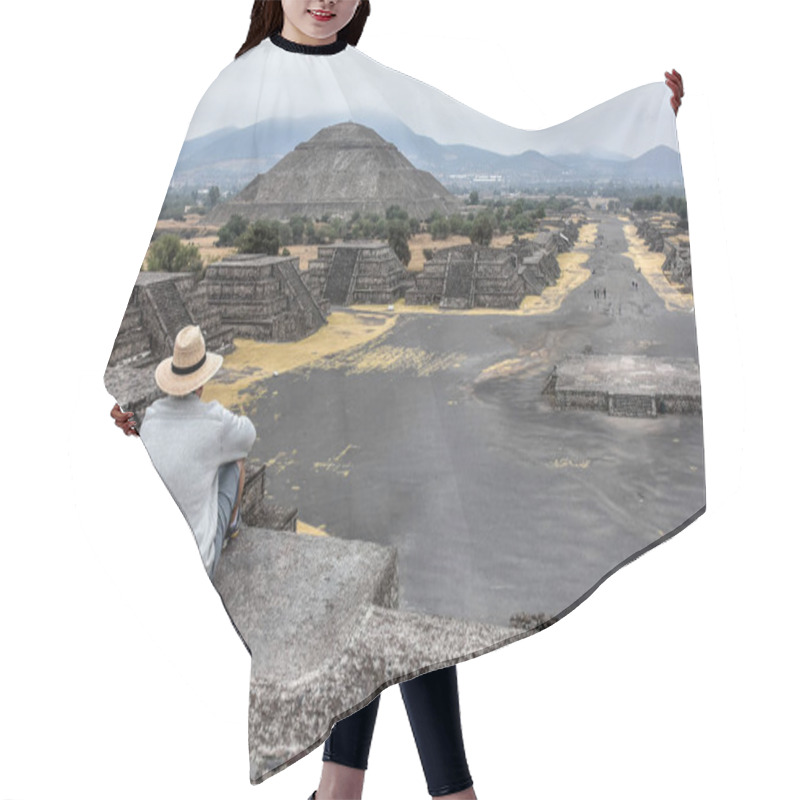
{"x":304,"y":252}
{"x":568,"y":463}
{"x":304,"y":527}
{"x":507,"y":368}
{"x":651,"y":264}
{"x":386,"y":358}
{"x":424,"y":241}
{"x":243,"y":379}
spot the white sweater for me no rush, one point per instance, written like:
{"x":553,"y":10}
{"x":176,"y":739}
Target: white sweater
{"x":188,"y":441}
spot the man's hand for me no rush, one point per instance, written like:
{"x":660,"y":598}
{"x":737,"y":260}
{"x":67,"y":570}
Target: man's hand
{"x":124,"y":420}
{"x":675,"y":82}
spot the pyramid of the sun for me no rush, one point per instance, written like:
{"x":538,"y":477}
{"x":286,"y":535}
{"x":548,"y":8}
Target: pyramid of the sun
{"x":342,"y":169}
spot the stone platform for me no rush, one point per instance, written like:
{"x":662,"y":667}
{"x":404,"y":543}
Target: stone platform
{"x":319,"y":616}
{"x":626,"y":386}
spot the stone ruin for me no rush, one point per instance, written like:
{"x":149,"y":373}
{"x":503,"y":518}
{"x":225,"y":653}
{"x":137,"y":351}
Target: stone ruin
{"x":263,"y":298}
{"x":626,"y":386}
{"x":539,"y":259}
{"x":349,"y":273}
{"x":469,"y":276}
{"x":256,"y":511}
{"x":569,"y":228}
{"x":678,"y":263}
{"x":662,"y":235}
{"x":249,"y":296}
{"x":159,"y":306}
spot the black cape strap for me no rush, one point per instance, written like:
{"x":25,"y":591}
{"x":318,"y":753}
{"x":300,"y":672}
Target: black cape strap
{"x":308,"y":49}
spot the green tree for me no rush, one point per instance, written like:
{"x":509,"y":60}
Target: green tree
{"x":325,"y":233}
{"x":395,"y":212}
{"x":381,"y":230}
{"x":337,"y":227}
{"x":298,"y":226}
{"x":213,"y":196}
{"x":482,"y":230}
{"x":169,"y":254}
{"x":285,"y":234}
{"x":399,"y":232}
{"x":261,"y":236}
{"x":231,"y":231}
{"x":456,"y":223}
{"x":522,"y":223}
{"x":440,"y":228}
{"x":473,"y":198}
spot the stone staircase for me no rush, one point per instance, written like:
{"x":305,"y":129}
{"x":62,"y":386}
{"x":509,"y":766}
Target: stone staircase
{"x":314,"y":318}
{"x":458,"y":283}
{"x":340,"y":276}
{"x":169,"y":310}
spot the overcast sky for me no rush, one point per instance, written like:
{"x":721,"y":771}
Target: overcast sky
{"x":271,"y":83}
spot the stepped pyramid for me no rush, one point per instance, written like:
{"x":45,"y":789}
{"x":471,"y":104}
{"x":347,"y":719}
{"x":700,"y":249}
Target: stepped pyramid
{"x":159,"y":306}
{"x":342,"y":169}
{"x":356,"y":272}
{"x":469,"y":276}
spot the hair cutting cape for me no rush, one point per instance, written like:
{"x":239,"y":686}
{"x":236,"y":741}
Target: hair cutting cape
{"x":468,"y":350}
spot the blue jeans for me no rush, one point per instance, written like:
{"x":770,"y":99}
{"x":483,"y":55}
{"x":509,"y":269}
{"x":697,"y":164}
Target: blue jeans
{"x":228,"y":478}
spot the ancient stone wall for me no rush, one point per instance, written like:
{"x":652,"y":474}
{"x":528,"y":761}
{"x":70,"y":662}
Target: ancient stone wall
{"x":539,"y":260}
{"x":678,"y":263}
{"x":587,"y":400}
{"x":256,"y":297}
{"x":679,"y":404}
{"x":626,"y":386}
{"x":350,"y":273}
{"x":262,"y":297}
{"x":468,"y":276}
{"x":662,"y":235}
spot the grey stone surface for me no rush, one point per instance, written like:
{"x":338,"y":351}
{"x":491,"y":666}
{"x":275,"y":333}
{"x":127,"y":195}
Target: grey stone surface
{"x":262,"y":297}
{"x":301,"y":593}
{"x":319,"y":616}
{"x":627,"y":385}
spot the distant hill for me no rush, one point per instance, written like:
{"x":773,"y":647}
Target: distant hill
{"x":230,"y":158}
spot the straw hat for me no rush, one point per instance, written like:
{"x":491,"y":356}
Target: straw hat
{"x":190,"y":366}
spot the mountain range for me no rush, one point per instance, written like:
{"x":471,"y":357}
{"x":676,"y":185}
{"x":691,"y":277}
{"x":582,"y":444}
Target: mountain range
{"x":231,"y":157}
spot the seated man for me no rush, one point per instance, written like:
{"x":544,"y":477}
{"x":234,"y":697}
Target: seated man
{"x":198,"y":448}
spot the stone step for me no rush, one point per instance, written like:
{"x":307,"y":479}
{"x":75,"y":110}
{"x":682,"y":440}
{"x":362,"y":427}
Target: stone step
{"x":319,"y":615}
{"x":340,"y":275}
